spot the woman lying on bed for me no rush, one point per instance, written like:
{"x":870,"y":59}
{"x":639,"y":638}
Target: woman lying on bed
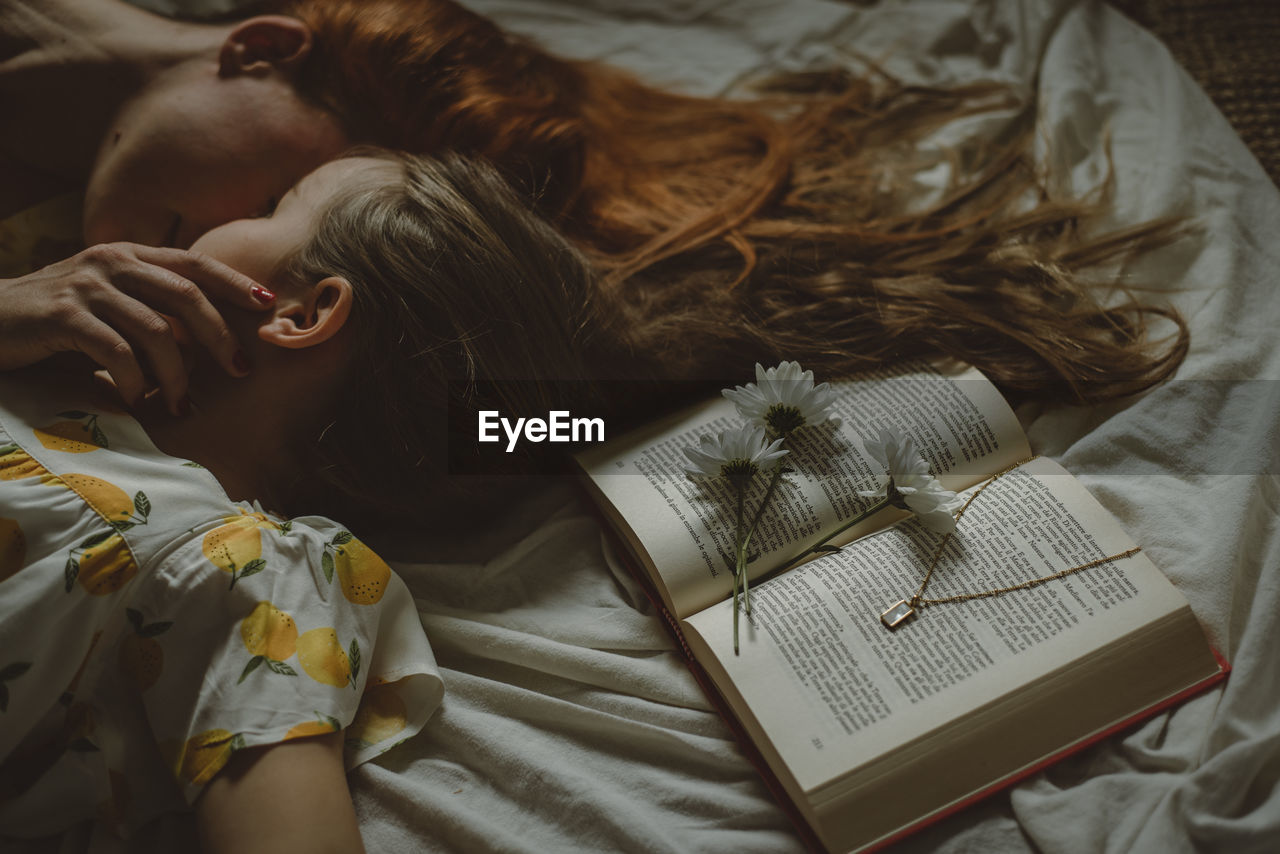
{"x":778,"y":228}
{"x":164,"y":637}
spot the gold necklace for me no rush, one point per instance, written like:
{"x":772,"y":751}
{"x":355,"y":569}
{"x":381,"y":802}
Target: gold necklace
{"x":904,"y":609}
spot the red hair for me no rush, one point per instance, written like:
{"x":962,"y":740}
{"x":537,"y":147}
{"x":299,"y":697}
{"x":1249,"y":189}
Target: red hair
{"x":604,"y":155}
{"x":736,"y":230}
{"x":425,"y":75}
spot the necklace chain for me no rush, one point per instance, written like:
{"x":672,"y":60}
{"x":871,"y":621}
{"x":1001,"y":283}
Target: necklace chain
{"x":899,"y":612}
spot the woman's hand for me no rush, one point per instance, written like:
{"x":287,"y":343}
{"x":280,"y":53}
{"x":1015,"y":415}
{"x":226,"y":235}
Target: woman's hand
{"x":110,"y":303}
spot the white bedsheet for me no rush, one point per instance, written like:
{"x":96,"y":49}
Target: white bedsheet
{"x":569,"y":724}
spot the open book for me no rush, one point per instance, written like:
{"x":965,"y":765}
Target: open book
{"x":873,"y":732}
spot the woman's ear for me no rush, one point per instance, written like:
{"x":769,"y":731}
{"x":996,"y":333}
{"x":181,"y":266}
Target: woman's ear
{"x":262,"y":44}
{"x":310,"y":317}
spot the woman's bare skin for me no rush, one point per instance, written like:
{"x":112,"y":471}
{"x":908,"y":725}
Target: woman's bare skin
{"x":170,"y":128}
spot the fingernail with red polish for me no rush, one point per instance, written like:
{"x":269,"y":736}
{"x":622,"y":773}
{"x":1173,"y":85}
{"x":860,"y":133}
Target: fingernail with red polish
{"x":261,"y":294}
{"x":241,"y":363}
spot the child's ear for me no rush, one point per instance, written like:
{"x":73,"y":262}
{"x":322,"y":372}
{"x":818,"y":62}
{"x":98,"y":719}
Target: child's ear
{"x":262,"y":43}
{"x":309,"y":317}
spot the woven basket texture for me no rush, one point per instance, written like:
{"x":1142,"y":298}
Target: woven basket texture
{"x":1232,"y":49}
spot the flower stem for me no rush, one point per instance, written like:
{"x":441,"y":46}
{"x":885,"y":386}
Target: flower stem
{"x":813,"y":549}
{"x":755,"y":521}
{"x":737,"y":567}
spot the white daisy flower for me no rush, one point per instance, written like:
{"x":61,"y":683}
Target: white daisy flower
{"x":908,"y":482}
{"x":737,"y":454}
{"x":782,"y":398}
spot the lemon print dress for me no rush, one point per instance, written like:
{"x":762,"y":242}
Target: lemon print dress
{"x":150,"y":627}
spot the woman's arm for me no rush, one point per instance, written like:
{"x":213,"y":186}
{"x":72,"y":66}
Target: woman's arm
{"x":287,"y":798}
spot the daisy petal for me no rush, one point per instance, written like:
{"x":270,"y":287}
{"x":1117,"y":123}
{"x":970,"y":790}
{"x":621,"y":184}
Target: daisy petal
{"x":934,"y":504}
{"x":782,"y":398}
{"x":743,"y":447}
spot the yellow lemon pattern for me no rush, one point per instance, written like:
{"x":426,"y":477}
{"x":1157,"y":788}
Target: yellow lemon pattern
{"x":13,"y":548}
{"x":205,"y":754}
{"x":103,"y":563}
{"x":271,"y":636}
{"x":323,"y":659}
{"x":141,"y":658}
{"x":108,"y":500}
{"x":382,"y":716}
{"x":78,"y":434}
{"x":16,"y":464}
{"x":322,"y":725}
{"x":284,"y":656}
{"x":235,"y":546}
{"x":362,"y":575}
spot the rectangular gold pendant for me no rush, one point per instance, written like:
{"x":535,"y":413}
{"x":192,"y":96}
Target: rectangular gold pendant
{"x":897,"y":614}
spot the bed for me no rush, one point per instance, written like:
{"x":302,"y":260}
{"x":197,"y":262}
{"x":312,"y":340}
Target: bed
{"x":571,"y":724}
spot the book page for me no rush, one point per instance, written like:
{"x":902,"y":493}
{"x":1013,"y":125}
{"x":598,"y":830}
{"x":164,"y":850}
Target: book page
{"x":833,"y":689}
{"x":683,"y":528}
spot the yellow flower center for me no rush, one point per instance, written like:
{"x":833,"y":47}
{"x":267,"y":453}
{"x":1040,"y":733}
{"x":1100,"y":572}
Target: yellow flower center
{"x":782,"y":418}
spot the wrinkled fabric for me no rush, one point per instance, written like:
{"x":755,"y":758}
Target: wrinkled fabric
{"x":570,"y":723}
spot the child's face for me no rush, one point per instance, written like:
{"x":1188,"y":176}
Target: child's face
{"x":256,"y":246}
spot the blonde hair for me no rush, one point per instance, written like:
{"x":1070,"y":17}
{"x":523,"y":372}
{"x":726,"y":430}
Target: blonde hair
{"x":463,"y":299}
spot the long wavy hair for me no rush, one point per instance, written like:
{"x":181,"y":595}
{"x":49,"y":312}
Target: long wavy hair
{"x":776,"y":227}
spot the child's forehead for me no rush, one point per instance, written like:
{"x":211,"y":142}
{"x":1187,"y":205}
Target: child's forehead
{"x":342,"y":174}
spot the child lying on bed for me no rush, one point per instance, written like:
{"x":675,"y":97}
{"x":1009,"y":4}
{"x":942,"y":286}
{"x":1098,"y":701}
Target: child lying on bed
{"x":163,"y":637}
